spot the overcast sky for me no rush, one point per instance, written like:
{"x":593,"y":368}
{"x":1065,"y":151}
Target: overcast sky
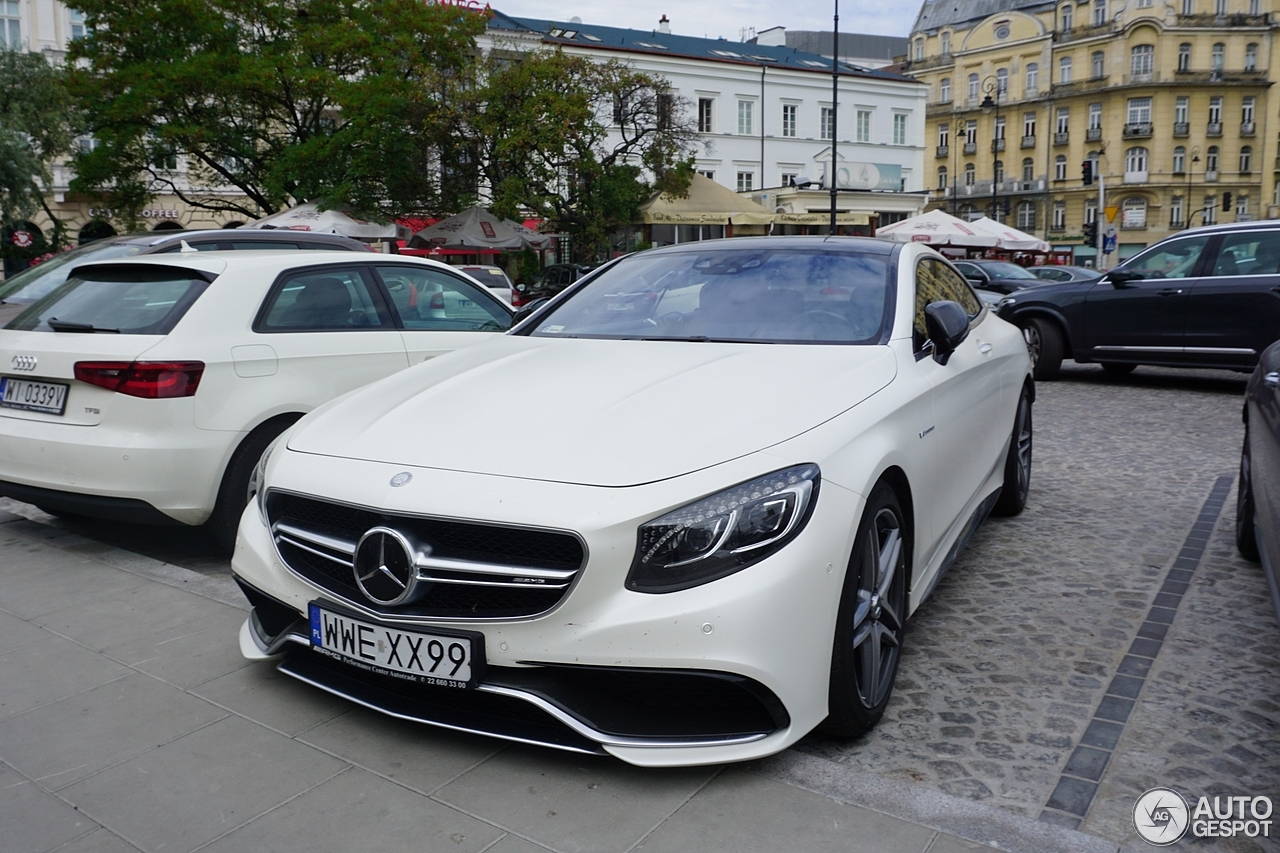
{"x":714,"y":18}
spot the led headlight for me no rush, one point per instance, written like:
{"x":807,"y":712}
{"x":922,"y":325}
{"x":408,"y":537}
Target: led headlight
{"x":723,"y":533}
{"x":255,"y":491}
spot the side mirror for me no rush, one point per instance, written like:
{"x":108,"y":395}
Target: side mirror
{"x":526,"y":311}
{"x":947,"y":325}
{"x":1119,"y":278}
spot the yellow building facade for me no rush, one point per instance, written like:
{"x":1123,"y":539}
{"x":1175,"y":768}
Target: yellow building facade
{"x":1170,"y":101}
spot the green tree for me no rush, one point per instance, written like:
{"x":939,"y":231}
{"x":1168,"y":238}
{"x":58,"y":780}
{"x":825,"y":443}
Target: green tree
{"x":572,"y":140}
{"x":282,"y":101}
{"x":36,"y":123}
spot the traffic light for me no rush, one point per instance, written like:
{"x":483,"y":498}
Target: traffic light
{"x":1091,"y":232}
{"x":1086,"y":173}
{"x":1226,"y":202}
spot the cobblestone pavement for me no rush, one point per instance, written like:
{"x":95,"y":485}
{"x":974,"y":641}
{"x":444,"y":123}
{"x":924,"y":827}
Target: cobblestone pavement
{"x":1012,"y":656}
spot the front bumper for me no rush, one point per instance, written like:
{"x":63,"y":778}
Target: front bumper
{"x":731,"y":670}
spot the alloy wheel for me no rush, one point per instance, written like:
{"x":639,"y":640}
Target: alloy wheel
{"x":878,"y":617}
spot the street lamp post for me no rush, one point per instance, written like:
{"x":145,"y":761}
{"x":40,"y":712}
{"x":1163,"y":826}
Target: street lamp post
{"x":835,"y":107}
{"x":991,"y":86}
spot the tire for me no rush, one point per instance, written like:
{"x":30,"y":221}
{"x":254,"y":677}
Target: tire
{"x":1046,"y":345}
{"x":233,"y":494}
{"x":1017,"y":464}
{"x":1118,"y":368}
{"x":870,"y":624}
{"x":1246,"y":542}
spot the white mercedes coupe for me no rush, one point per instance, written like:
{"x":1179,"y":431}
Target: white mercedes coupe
{"x":742,"y":465}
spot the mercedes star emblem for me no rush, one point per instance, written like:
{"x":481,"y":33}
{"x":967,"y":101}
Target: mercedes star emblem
{"x":400,"y":479}
{"x":24,"y":362}
{"x":384,"y":566}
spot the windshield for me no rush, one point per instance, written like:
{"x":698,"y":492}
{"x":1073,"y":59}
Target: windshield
{"x":775,"y":295}
{"x":136,"y":301}
{"x":30,"y":284}
{"x":999,"y":270}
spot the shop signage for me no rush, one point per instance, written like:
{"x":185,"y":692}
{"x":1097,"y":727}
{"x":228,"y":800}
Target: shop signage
{"x":151,"y":213}
{"x":867,"y":176}
{"x":22,"y":239}
{"x":468,"y":5}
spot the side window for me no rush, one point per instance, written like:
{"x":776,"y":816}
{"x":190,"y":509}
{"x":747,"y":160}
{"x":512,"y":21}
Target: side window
{"x":428,"y":299}
{"x":323,"y":300}
{"x":1173,"y":260}
{"x":1249,"y":253}
{"x":937,"y":282}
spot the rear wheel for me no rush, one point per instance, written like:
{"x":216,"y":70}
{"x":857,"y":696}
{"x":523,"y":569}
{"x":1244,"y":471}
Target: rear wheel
{"x":1118,"y":368}
{"x":1046,"y":346}
{"x":233,"y":494}
{"x":1246,"y":542}
{"x":871,"y":620}
{"x":1017,"y":465}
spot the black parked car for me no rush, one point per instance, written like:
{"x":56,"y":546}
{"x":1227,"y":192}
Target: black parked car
{"x":1209,"y":297}
{"x":550,"y":281}
{"x":1258,"y":492}
{"x":999,"y":276}
{"x":1062,"y":272}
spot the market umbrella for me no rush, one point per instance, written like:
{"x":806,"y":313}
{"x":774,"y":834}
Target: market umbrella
{"x":1010,"y":238}
{"x":937,"y":228}
{"x":337,"y":220}
{"x":477,"y":228}
{"x":708,"y":203}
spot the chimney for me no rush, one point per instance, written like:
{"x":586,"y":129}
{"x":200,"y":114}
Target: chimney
{"x":664,"y":24}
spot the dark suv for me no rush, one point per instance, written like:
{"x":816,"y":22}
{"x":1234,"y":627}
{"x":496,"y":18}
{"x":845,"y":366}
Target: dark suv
{"x":548,"y":282}
{"x":1208,"y":297}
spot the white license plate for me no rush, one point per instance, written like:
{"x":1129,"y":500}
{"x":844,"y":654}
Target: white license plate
{"x":436,"y":659}
{"x":48,"y":397}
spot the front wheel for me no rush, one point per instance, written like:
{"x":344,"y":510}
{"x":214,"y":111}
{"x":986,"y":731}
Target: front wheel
{"x":871,"y":621}
{"x":1045,"y":345}
{"x":1017,"y":464}
{"x":1246,"y":542}
{"x":233,"y":494}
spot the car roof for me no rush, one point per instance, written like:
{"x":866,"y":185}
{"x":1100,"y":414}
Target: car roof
{"x":218,"y":263}
{"x":860,"y":245}
{"x":1256,"y":224}
{"x":159,"y":238}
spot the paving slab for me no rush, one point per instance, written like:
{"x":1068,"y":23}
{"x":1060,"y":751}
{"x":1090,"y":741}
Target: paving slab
{"x":16,"y":633}
{"x":359,"y":811}
{"x":727,"y":815}
{"x":419,"y":757}
{"x":99,"y":841}
{"x":65,"y":741}
{"x":277,"y":701}
{"x":572,"y":803}
{"x":189,"y":654}
{"x":31,"y":591}
{"x":193,"y":789}
{"x":35,"y":821}
{"x":516,"y":844}
{"x":51,"y":669}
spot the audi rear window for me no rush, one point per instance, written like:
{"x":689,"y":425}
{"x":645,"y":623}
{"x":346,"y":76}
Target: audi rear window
{"x":127,"y":301}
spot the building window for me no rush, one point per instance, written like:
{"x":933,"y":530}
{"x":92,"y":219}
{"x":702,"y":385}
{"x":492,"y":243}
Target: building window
{"x":1211,"y":163}
{"x":1002,"y":83}
{"x":1028,"y":125}
{"x":1188,"y":7}
{"x":709,"y":174}
{"x":944,"y":90}
{"x":1221,"y":8}
{"x":1142,"y":60}
{"x":864,"y":126}
{"x":665,"y":102}
{"x":1242,"y":208}
{"x":1099,"y":12}
{"x":746,"y":181}
{"x":1033,"y":77}
{"x":1179,"y":160}
{"x":1098,"y":64}
{"x":946,"y":44}
{"x":1064,"y":119}
{"x":942,"y":177}
{"x":1139,"y":111}
{"x":1068,"y":17}
{"x":970,"y":132}
{"x":789,"y":179}
{"x":164,"y":158}
{"x":1064,"y":70}
{"x":1254,"y":6}
{"x":998,"y":128}
{"x":944,"y":135}
{"x":899,"y":129}
{"x":1060,"y":167}
{"x":1218,"y":51}
{"x":1175,"y":212}
{"x":1135,"y":164}
{"x":1095,"y":116}
{"x":1180,"y":110}
{"x":1027,"y":215}
{"x":1246,"y":110}
{"x":704,"y":115}
{"x":1144,"y":4}
{"x":826,"y":114}
{"x":919,"y":49}
{"x":1215,"y":109}
{"x":75,"y":18}
{"x":1246,"y":159}
{"x":1251,"y":57}
{"x":1184,"y":57}
{"x":1028,"y":169}
{"x":1210,"y":210}
{"x":973,"y":87}
{"x":1059,"y":215}
{"x":998,"y":172}
{"x":1090,"y":211}
{"x":789,"y":119}
{"x":968,"y":174}
{"x":1134,"y":213}
{"x":10,"y":24}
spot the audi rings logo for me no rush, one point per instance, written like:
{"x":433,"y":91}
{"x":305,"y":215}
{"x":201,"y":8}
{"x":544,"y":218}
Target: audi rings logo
{"x":1161,"y":816}
{"x":384,"y":566}
{"x":24,"y":362}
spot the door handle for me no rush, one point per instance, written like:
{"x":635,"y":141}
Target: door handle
{"x":1169,"y":291}
{"x":985,"y":349}
{"x":1272,"y":380}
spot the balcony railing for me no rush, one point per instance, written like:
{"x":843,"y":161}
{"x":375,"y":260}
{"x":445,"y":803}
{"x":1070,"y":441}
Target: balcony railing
{"x":943,"y":150}
{"x":1254,"y":77}
{"x":997,"y":144}
{"x":1223,"y":20}
{"x":1135,"y":177}
{"x":1028,"y":142}
{"x":1214,"y":128}
{"x":1211,"y":177}
{"x":1141,"y":130}
{"x":1246,"y":128}
{"x":1095,"y":84}
{"x":1077,"y":33}
{"x":1181,"y":128}
{"x":1093,"y":134}
{"x":1061,"y":137}
{"x":971,"y":148}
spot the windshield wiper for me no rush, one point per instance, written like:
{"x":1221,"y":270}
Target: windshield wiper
{"x":67,"y":326}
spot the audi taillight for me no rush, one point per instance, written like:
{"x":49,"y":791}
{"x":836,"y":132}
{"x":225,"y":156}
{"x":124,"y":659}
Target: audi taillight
{"x":149,"y":379}
{"x":437,"y":301}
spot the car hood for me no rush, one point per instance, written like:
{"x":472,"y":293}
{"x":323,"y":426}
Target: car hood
{"x":604,"y":413}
